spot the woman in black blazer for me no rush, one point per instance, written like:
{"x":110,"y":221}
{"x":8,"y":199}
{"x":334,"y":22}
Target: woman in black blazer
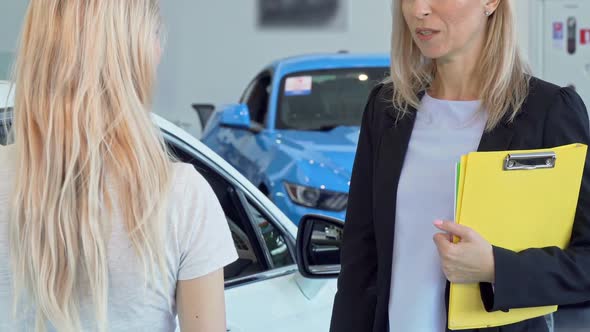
{"x":447,"y":51}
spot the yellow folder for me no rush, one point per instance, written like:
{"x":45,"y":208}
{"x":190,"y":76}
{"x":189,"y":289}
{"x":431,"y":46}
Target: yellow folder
{"x":533,"y":194}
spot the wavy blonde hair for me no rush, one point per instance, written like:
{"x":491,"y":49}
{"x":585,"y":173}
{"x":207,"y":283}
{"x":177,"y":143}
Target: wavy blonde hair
{"x":83,"y":81}
{"x":503,"y":74}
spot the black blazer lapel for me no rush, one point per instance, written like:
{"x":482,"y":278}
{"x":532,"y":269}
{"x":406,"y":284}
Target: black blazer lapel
{"x":392,"y":149}
{"x":497,"y":139}
{"x":391,"y":152}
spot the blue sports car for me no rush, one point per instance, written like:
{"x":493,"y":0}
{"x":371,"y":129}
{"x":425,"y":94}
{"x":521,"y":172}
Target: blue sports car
{"x":295,"y":130}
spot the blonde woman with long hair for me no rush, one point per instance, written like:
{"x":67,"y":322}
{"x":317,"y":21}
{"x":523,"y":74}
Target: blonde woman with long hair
{"x":458,"y":85}
{"x":99,"y":230}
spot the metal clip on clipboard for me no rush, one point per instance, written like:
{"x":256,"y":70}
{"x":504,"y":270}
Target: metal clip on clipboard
{"x":529,"y":161}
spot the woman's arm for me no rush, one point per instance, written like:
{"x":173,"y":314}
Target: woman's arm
{"x":354,"y":305}
{"x":206,"y":246}
{"x":550,"y":276}
{"x":201,"y":303}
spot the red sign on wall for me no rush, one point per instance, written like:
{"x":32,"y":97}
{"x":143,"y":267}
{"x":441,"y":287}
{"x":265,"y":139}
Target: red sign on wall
{"x":584,"y":36}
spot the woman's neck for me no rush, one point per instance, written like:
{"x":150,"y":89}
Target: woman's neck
{"x":454,"y":82}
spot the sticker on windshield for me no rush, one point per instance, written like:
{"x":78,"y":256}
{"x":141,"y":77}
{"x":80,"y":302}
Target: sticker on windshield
{"x":298,"y":86}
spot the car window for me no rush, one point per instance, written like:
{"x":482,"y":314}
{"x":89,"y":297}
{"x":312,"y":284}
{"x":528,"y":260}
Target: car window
{"x":259,"y":244}
{"x":248,"y":91}
{"x":258,"y":98}
{"x":251,"y":258}
{"x":325,"y":99}
{"x":274,"y":242}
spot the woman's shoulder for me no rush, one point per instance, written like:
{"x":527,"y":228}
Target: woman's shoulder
{"x":546,"y":92}
{"x":383,"y":112}
{"x":187,"y":187}
{"x":553,"y":98}
{"x":190,"y":193}
{"x":380,"y":102}
{"x":383,"y":94}
{"x":186,"y":179}
{"x":539,"y":88}
{"x":558,"y":111}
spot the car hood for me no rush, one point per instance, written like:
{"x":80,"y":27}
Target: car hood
{"x":329,"y":151}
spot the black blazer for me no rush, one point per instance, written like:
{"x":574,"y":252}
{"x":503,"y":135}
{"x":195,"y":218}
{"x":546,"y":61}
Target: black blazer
{"x":551,"y":116}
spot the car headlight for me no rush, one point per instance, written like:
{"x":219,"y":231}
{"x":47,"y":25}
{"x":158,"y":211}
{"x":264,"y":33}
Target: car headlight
{"x":316,"y":198}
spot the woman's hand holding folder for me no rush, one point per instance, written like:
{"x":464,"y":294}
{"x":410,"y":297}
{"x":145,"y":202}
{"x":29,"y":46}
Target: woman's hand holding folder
{"x":471,"y":260}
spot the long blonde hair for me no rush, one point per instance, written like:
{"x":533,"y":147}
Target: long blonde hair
{"x":503,"y":74}
{"x":83,"y":82}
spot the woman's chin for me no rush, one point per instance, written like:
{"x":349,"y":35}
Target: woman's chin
{"x":432,"y":52}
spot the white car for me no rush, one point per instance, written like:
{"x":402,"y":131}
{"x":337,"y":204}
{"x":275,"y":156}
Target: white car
{"x":264,"y":289}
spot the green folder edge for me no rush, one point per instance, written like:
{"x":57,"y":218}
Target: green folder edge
{"x":459,"y":179}
{"x":457,"y":175}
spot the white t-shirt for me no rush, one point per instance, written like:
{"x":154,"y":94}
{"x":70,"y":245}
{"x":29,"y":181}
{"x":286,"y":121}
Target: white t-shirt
{"x":198,"y":242}
{"x":444,"y":130}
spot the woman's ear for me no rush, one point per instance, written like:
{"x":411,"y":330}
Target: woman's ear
{"x":491,"y":6}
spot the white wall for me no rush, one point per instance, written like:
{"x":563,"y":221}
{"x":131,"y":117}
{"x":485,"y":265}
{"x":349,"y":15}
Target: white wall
{"x":11,"y":16}
{"x":523,"y":16}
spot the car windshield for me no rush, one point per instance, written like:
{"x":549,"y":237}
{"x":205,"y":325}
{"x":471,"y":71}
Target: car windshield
{"x":323,"y":100}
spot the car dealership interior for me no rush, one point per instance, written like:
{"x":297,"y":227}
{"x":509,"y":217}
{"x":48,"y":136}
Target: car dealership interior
{"x":275,"y":105}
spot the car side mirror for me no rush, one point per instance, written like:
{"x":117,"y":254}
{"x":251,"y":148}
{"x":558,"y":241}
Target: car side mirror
{"x":237,"y":116}
{"x":319,"y":240}
{"x":204,"y":111}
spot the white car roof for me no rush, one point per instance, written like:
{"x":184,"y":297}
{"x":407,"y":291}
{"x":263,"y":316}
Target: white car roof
{"x":5,"y":87}
{"x":216,"y":159}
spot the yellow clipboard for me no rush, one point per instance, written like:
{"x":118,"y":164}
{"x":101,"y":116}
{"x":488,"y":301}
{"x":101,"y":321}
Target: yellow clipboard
{"x":532,"y":193}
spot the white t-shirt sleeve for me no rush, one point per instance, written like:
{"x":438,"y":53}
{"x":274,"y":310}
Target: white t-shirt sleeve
{"x":207,"y":244}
